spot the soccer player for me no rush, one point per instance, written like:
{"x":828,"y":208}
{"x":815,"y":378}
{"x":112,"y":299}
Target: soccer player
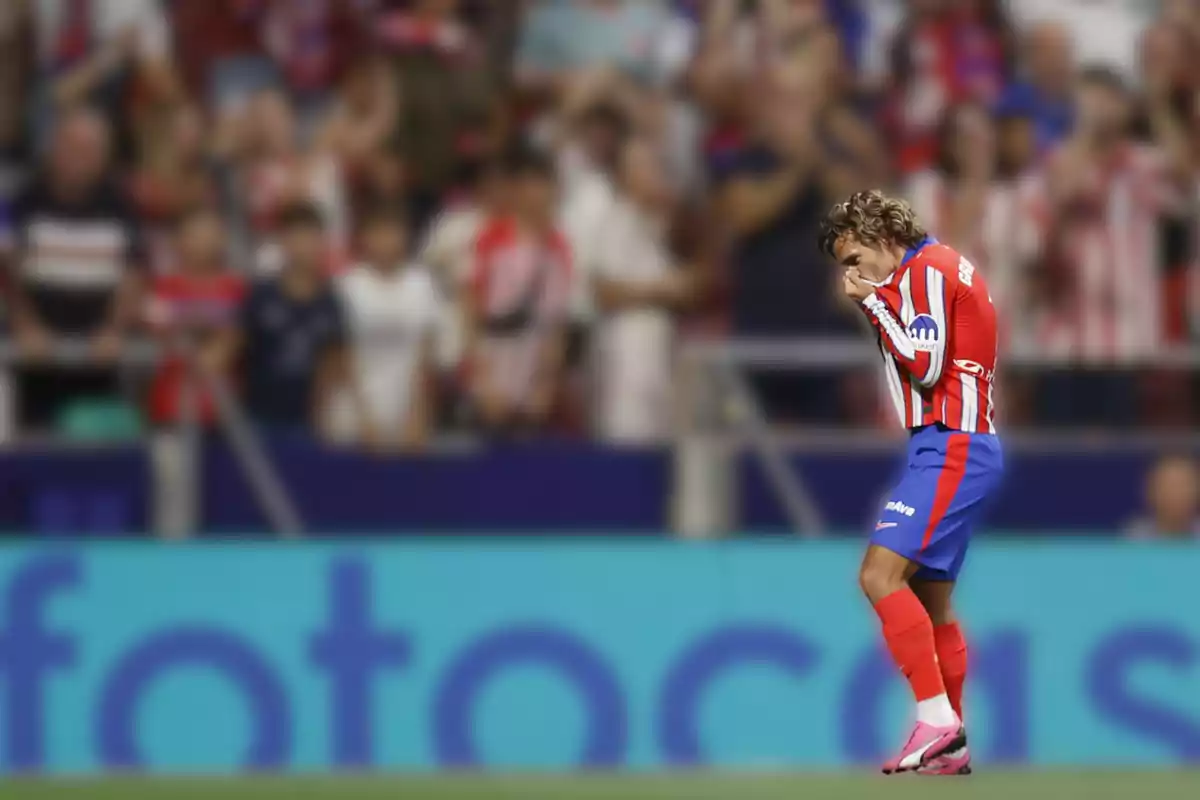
{"x":936,"y":329}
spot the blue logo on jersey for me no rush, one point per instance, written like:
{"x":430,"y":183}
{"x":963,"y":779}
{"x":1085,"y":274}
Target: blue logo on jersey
{"x":923,"y":331}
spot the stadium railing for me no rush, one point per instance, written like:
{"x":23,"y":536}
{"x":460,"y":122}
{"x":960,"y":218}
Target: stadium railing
{"x":175,"y":451}
{"x":719,"y":421}
{"x":721,"y":418}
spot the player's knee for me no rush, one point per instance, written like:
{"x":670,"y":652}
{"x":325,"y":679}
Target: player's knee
{"x":940,"y":613}
{"x":879,"y":580}
{"x":936,"y":598}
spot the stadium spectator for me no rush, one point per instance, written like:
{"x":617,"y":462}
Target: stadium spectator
{"x":771,"y":196}
{"x":1102,"y":32}
{"x":96,"y":52}
{"x":450,"y":105}
{"x":588,"y":151}
{"x":1101,"y":302}
{"x":518,"y":306}
{"x":275,"y":172}
{"x":761,"y":113}
{"x":1043,"y":91}
{"x":944,"y":53}
{"x":362,"y":118}
{"x":392,"y":311}
{"x":1165,"y":121}
{"x":191,"y":306}
{"x":291,"y":342}
{"x":220,"y":51}
{"x":312,"y":42}
{"x":1172,"y":501}
{"x":974,"y":199}
{"x":171,"y":175}
{"x":1017,"y":153}
{"x":77,"y":269}
{"x":450,"y":244}
{"x":638,"y":287}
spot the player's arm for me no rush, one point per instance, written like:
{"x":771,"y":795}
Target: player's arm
{"x":922,"y":354}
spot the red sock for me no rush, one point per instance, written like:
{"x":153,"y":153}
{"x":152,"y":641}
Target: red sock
{"x":952,"y":656}
{"x":909,"y":636}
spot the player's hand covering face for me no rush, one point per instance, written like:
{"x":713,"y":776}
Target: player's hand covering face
{"x":855,"y":287}
{"x":863,"y":266}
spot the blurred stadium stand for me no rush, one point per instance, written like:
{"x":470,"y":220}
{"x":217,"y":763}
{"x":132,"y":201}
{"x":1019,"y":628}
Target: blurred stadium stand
{"x":154,"y":153}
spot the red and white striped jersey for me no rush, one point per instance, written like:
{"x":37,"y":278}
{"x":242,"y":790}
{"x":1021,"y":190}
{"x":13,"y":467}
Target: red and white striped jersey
{"x":1106,"y":256}
{"x":520,"y":290}
{"x":1002,"y":242}
{"x":938,"y":336}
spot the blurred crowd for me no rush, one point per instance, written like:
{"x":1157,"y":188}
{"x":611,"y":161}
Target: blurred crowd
{"x":381,"y":218}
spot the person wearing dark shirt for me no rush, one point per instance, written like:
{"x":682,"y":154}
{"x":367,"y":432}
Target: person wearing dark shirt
{"x":76,"y":260}
{"x":291,"y":342}
{"x":772,"y":196}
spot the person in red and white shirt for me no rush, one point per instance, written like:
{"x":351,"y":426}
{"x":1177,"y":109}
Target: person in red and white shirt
{"x":936,"y":330}
{"x":189,"y":306}
{"x":934,"y":316}
{"x":448,"y":249}
{"x":944,"y":53}
{"x":1106,"y":197}
{"x":518,"y":305}
{"x":971,"y":199}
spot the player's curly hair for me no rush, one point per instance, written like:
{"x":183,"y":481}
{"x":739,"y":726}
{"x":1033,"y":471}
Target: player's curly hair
{"x":872,"y":218}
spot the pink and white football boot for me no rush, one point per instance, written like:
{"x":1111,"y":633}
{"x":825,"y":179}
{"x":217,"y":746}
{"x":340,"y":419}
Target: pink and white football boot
{"x":926,"y":743}
{"x":957,"y":762}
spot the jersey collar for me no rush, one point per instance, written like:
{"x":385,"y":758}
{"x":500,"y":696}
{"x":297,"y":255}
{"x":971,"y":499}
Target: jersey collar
{"x":918,"y":247}
{"x":908,"y":256}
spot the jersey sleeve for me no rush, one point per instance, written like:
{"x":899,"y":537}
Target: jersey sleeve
{"x":917,"y":333}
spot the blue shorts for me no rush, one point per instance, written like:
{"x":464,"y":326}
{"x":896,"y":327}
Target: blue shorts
{"x":946,"y":484}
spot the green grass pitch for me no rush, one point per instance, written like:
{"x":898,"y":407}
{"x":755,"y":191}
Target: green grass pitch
{"x":1099,"y":785}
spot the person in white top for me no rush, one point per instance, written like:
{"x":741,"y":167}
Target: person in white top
{"x":638,"y":289}
{"x":392,"y":312}
{"x":585,"y":164}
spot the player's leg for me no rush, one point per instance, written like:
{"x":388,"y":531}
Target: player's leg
{"x":918,"y":532}
{"x":948,"y":638}
{"x":907,"y":629}
{"x":935,"y":592}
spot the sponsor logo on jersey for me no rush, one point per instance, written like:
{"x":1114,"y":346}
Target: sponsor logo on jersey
{"x":879,"y":526}
{"x":923,"y":331}
{"x":900,"y":508}
{"x":973,"y":368}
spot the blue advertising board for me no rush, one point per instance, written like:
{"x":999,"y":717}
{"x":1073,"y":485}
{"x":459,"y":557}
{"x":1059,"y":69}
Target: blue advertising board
{"x":549,"y":656}
{"x":538,"y":488}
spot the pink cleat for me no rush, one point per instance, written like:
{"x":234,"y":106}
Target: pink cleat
{"x":957,"y":762}
{"x":926,"y":743}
